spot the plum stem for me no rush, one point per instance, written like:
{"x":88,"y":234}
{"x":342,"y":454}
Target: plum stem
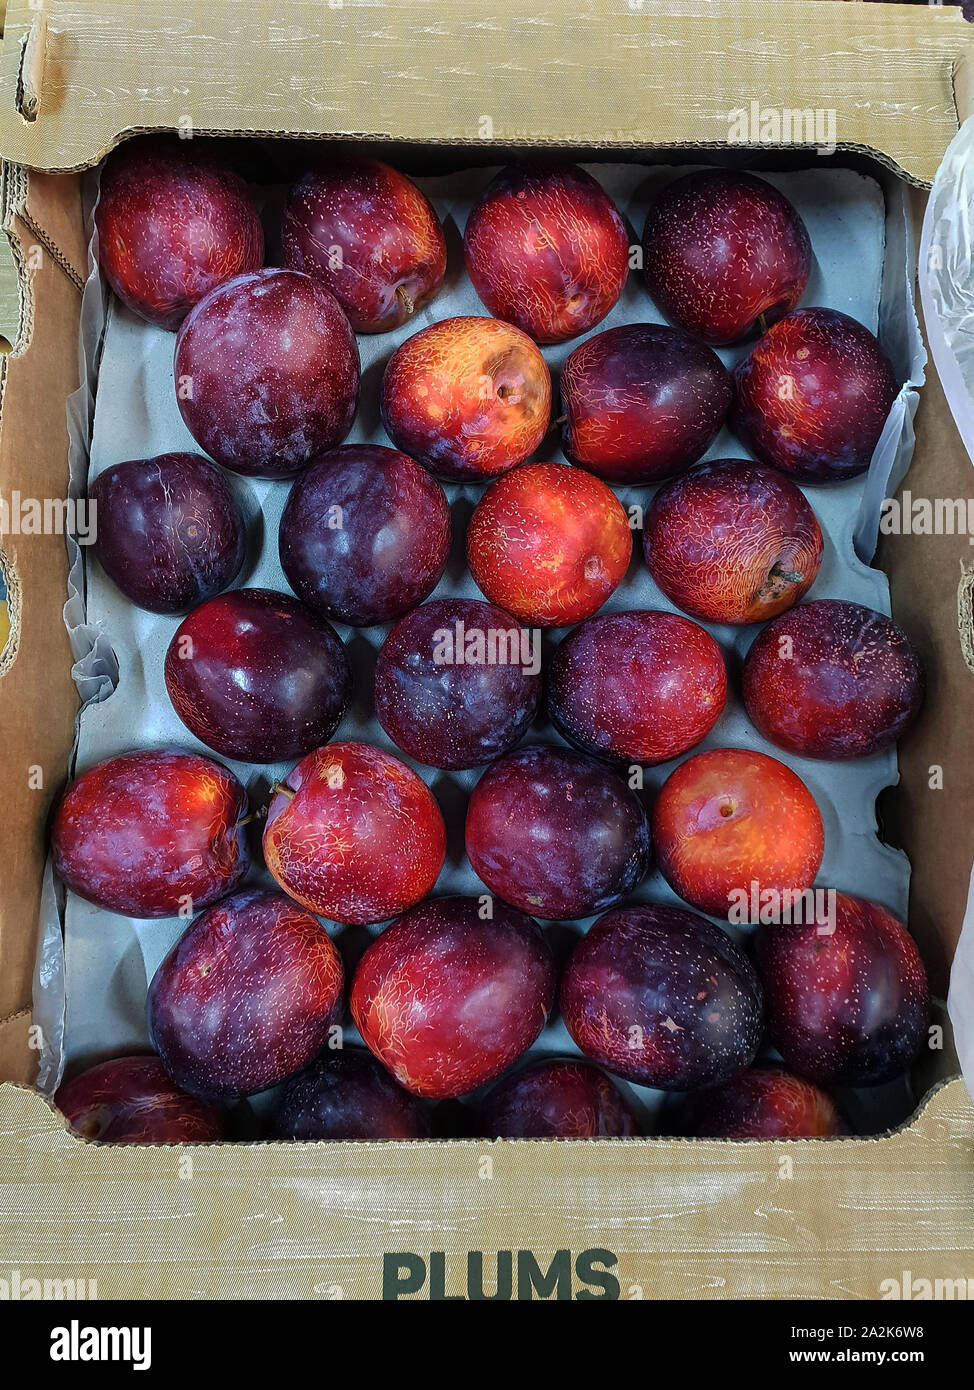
{"x":762,"y":323}
{"x":561,"y":419}
{"x":404,"y":299}
{"x":282,"y":789}
{"x":789,"y":576}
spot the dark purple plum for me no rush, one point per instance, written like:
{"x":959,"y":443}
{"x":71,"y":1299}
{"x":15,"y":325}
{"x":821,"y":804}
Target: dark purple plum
{"x":246,"y":997}
{"x":848,"y":1001}
{"x":555,"y":833}
{"x":764,"y":1102}
{"x":456,"y":683}
{"x":256,"y":675}
{"x":347,"y":1095}
{"x":557,"y":1099}
{"x":170,"y":533}
{"x":662,"y":997}
{"x":365,"y":534}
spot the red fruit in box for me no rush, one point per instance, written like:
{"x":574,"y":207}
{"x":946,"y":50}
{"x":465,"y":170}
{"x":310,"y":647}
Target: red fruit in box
{"x":560,"y":1099}
{"x":246,"y":997}
{"x":347,"y":1095}
{"x":833,"y":680}
{"x":725,"y":253}
{"x":257,"y":676}
{"x":548,"y":543}
{"x":172,"y":225}
{"x":448,"y":999}
{"x":267,"y":373}
{"x":732,"y":542}
{"x":637,"y":687}
{"x":368,"y":234}
{"x":354,"y":834}
{"x":663,"y":998}
{"x":547,"y":250}
{"x":365,"y":534}
{"x":556,"y":834}
{"x":148,"y":834}
{"x":764,"y":1102}
{"x":469,"y":397}
{"x":848,"y":1002}
{"x":170,"y":531}
{"x":641,"y":402}
{"x":133,"y":1100}
{"x":730,"y":818}
{"x":812,"y":396}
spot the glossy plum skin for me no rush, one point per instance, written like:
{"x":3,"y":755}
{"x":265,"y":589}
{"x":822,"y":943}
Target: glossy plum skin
{"x":172,"y":225}
{"x":447,"y":1000}
{"x":812,"y":396}
{"x":560,"y":1099}
{"x":556,"y":834}
{"x":456,"y":714}
{"x":851,"y":685}
{"x":267,"y":373}
{"x":133,"y":1100}
{"x":730,"y":817}
{"x":663,"y":998}
{"x":548,"y":543}
{"x":732,"y":542}
{"x":845,"y":1007}
{"x":360,"y":839}
{"x":368,"y":234}
{"x":764,"y":1102}
{"x":147,"y":833}
{"x":365,"y":535}
{"x":723,"y":251}
{"x":547,"y":250}
{"x":641,"y":402}
{"x":170,"y":532}
{"x":345,"y":1095}
{"x":468,"y":397}
{"x":637,"y":687}
{"x":246,"y":997}
{"x":257,"y":676}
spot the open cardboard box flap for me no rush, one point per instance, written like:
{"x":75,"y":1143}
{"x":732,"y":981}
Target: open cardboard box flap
{"x":623,"y":76}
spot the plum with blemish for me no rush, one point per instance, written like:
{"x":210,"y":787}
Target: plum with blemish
{"x":267,"y":373}
{"x":449,"y":996}
{"x":457,"y":683}
{"x":848,"y":1001}
{"x":353,"y":834}
{"x":364,"y":535}
{"x":548,"y":543}
{"x":764,"y":1102}
{"x":833,"y":679}
{"x":813,"y":395}
{"x":145,"y":834}
{"x":556,"y":1099}
{"x":369,"y":235}
{"x":170,"y":533}
{"x":246,"y":997}
{"x":547,"y":250}
{"x":732,"y":542}
{"x":637,"y":687}
{"x":173,"y":223}
{"x":731,"y":818}
{"x":556,"y":834}
{"x":133,"y":1100}
{"x":346,"y":1095}
{"x":663,"y":998}
{"x":256,"y":675}
{"x":641,"y":402}
{"x":725,"y":254}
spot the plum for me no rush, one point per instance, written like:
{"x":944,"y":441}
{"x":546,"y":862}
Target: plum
{"x":556,"y":834}
{"x":347,"y":1095}
{"x":764,"y":1102}
{"x":257,"y":676}
{"x":246,"y":997}
{"x":556,"y":1099}
{"x":152,"y":833}
{"x":365,"y":534}
{"x":133,"y":1100}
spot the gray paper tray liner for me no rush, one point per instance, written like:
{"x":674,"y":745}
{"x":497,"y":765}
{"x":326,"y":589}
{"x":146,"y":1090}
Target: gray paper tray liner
{"x":863,"y":266}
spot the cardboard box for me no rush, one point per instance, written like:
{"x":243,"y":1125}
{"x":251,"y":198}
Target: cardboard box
{"x":627,"y":79}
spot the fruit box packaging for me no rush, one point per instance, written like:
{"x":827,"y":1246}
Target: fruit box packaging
{"x":667,"y":1217}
